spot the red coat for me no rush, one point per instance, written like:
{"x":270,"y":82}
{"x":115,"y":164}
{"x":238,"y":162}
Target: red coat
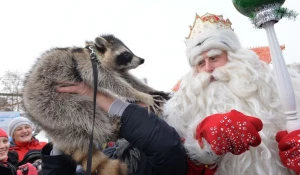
{"x":199,"y":170}
{"x":22,"y":148}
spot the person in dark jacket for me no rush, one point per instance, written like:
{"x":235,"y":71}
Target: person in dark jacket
{"x":9,"y":166}
{"x":160,"y":147}
{"x":9,"y":160}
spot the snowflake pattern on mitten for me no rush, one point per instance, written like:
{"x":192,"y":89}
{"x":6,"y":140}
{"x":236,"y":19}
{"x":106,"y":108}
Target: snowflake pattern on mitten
{"x":230,"y":132}
{"x":289,"y":149}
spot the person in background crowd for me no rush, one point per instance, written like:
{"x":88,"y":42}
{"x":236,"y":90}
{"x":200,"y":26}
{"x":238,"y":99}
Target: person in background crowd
{"x":20,"y":129}
{"x":9,"y":160}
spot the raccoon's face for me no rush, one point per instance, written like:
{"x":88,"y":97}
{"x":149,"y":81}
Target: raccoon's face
{"x":116,"y":55}
{"x":126,"y":60}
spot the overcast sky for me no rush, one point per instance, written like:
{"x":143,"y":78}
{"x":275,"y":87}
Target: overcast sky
{"x":152,"y":29}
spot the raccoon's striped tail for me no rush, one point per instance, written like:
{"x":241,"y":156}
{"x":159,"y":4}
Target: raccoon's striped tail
{"x":101,"y":164}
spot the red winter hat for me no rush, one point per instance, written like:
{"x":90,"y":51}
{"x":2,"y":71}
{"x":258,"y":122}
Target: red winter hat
{"x":3,"y":133}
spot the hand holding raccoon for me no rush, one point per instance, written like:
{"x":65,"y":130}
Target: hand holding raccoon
{"x":81,"y":88}
{"x":104,"y":101}
{"x":60,"y":113}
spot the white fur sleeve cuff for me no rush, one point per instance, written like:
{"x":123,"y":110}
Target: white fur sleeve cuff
{"x":203,"y":155}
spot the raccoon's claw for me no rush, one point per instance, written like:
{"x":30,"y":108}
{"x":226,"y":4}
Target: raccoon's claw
{"x":149,"y":110}
{"x":147,"y":99}
{"x":154,"y":103}
{"x":155,"y":95}
{"x":153,"y":108}
{"x":160,"y":101}
{"x":157,"y":106}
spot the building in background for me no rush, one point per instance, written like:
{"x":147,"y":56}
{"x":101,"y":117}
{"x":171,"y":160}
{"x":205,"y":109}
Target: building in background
{"x":264,"y":52}
{"x":6,"y":117}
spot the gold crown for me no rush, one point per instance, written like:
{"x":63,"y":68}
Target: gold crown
{"x":208,"y":22}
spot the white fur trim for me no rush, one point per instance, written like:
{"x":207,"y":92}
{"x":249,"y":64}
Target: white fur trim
{"x":224,"y":39}
{"x":203,"y":155}
{"x":210,"y":53}
{"x":197,"y":60}
{"x":214,"y":52}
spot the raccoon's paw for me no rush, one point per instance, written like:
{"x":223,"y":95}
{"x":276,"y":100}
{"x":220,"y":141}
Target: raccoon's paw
{"x":154,"y":103}
{"x":147,"y":99}
{"x":157,"y":108}
{"x":160,"y":99}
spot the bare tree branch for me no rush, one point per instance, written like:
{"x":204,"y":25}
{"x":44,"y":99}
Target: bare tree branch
{"x":12,"y":86}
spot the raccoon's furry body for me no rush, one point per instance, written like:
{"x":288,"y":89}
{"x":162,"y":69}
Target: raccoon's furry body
{"x":67,"y":118}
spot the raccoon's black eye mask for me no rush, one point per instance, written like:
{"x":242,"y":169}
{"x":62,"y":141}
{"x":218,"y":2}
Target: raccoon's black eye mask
{"x":126,"y":55}
{"x":124,"y":58}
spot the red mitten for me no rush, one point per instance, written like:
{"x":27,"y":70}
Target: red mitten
{"x":289,"y":149}
{"x":230,"y":132}
{"x":27,"y":169}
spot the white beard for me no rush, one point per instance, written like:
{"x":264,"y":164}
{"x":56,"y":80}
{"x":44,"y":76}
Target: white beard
{"x":245,"y":84}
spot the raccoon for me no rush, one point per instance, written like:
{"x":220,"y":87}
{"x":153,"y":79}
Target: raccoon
{"x":67,"y":118}
{"x":123,"y":65}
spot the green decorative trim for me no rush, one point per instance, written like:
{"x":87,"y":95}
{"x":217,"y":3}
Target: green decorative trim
{"x":286,"y":13}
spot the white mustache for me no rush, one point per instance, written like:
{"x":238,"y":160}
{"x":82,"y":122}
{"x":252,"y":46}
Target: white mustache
{"x":205,"y":78}
{"x":219,"y":74}
{"x":202,"y":79}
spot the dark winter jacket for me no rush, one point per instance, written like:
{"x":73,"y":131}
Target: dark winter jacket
{"x":10,"y":167}
{"x":57,"y":165}
{"x":162,"y":152}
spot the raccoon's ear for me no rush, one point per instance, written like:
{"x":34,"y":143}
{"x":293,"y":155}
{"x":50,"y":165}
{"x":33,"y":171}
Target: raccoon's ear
{"x":101,"y":44}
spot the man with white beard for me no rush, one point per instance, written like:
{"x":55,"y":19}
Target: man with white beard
{"x":224,"y":79}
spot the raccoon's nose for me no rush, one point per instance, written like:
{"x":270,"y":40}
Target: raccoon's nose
{"x":142,"y":60}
